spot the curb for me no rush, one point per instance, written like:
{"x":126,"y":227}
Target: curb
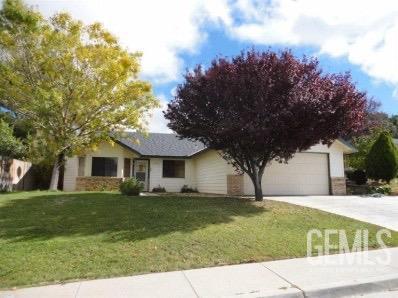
{"x":286,"y":293}
{"x":365,"y":286}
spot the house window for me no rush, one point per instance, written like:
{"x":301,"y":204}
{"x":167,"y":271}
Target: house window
{"x":126,"y":171}
{"x":174,"y":168}
{"x":104,"y":166}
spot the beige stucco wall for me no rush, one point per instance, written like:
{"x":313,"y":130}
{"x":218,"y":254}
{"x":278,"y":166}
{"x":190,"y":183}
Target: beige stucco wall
{"x":211,"y":172}
{"x":170,"y":184}
{"x":103,"y":150}
{"x":24,"y":165}
{"x":70,"y":174}
{"x":23,"y":181}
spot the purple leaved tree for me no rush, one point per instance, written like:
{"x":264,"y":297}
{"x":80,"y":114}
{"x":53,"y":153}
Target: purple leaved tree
{"x":260,"y":107}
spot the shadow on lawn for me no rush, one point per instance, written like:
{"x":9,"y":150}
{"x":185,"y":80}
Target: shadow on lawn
{"x":116,"y":217}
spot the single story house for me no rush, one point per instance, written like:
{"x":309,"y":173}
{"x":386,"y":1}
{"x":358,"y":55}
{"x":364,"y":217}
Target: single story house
{"x":165,"y":160}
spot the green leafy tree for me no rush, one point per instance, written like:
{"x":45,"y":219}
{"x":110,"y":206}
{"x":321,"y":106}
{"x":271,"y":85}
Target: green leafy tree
{"x":74,"y":83}
{"x":21,"y":127}
{"x":363,"y":144}
{"x":10,"y":146}
{"x":382,"y":160}
{"x":376,"y":122}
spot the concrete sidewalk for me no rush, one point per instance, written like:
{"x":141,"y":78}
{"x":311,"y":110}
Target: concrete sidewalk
{"x":345,"y":275}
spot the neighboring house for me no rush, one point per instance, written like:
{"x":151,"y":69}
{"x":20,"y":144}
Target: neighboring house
{"x":164,"y":160}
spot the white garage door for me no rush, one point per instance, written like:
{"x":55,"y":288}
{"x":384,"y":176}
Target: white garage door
{"x":305,"y":174}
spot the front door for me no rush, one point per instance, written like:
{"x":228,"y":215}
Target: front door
{"x":141,"y":172}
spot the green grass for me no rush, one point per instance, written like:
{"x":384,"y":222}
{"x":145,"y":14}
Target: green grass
{"x":49,"y":237}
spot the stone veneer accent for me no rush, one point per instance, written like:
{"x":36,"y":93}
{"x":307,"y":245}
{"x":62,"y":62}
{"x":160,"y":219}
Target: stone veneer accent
{"x":338,"y":185}
{"x":97,"y":183}
{"x":235,"y":185}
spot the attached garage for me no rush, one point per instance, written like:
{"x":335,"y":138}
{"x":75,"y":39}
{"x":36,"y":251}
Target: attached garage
{"x":304,"y":174}
{"x":317,"y":171}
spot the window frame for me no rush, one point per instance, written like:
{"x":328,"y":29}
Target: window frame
{"x":174,"y":161}
{"x":127,"y":166}
{"x":115,"y":159}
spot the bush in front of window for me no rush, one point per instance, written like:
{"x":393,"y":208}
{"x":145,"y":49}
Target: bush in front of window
{"x":159,"y":189}
{"x":131,"y":187}
{"x":187,"y":189}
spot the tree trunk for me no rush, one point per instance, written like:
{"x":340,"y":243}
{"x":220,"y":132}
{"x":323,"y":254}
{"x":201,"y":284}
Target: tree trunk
{"x":54,"y":177}
{"x":55,"y":172}
{"x":256,"y":179}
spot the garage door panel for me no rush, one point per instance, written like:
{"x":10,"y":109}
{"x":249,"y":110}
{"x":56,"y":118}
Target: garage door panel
{"x":295,"y":180}
{"x":298,"y":168}
{"x":305,"y":174}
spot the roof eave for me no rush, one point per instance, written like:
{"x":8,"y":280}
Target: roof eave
{"x":166,"y":156}
{"x":126,"y":147}
{"x":199,"y":152}
{"x":348,"y":148}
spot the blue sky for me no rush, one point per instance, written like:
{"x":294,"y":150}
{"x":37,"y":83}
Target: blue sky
{"x":219,"y":44}
{"x":175,"y":35}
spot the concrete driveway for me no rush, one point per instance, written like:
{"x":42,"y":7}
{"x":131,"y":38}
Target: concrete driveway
{"x":379,"y":211}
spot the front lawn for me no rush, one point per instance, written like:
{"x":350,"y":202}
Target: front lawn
{"x":48,"y":237}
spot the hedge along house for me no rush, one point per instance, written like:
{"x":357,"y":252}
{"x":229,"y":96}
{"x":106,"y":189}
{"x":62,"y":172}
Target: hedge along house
{"x":164,"y":160}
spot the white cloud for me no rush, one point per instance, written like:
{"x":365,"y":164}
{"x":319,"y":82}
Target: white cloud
{"x":157,"y":122}
{"x":395,"y":93}
{"x":365,"y":32}
{"x":160,"y":29}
